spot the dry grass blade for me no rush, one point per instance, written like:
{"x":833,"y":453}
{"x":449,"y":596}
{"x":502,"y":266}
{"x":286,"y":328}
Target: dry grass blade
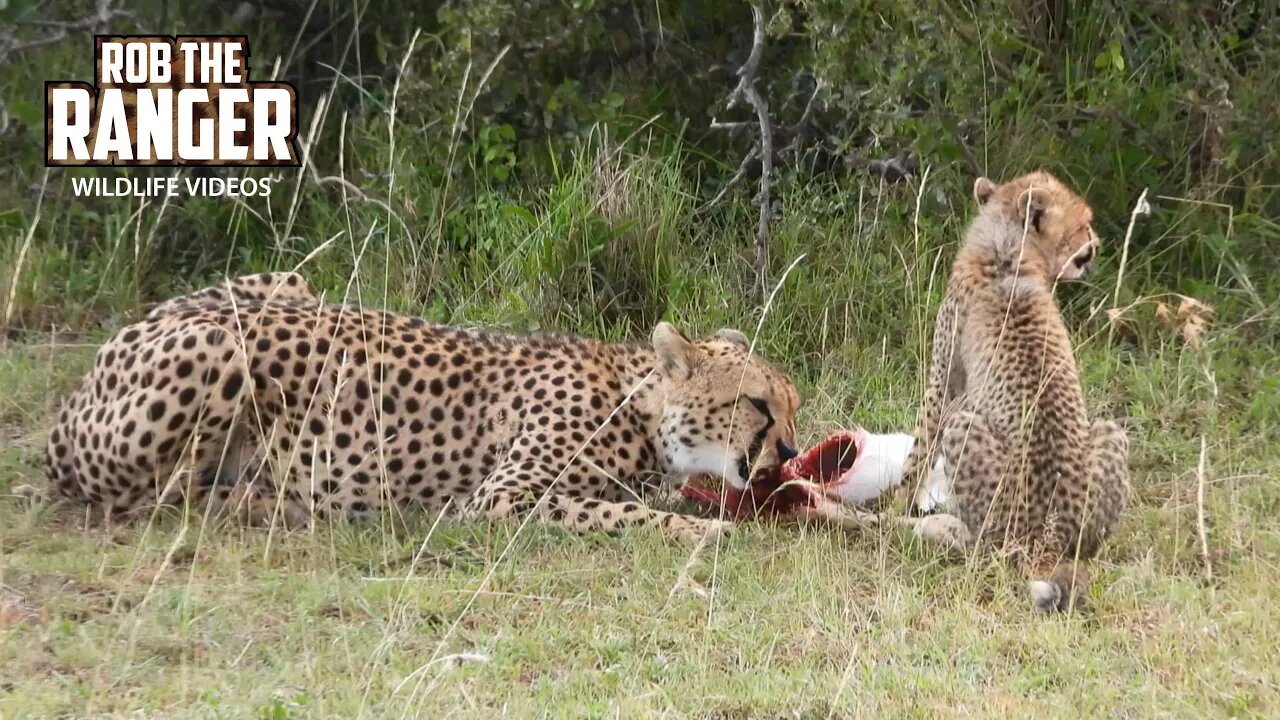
{"x":1140,"y":209}
{"x":15,"y":273}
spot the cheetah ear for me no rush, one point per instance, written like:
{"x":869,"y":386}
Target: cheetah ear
{"x":983,"y":190}
{"x":675,"y":353}
{"x":737,"y":337}
{"x":1031,"y":206}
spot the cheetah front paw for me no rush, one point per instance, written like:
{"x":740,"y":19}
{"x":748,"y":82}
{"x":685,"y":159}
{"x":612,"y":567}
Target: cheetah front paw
{"x":824,"y":511}
{"x":702,"y":530}
{"x":31,"y":494}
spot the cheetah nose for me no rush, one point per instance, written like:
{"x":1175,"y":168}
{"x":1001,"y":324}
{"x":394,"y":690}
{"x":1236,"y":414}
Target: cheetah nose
{"x":785,"y":451}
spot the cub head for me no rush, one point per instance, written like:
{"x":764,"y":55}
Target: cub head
{"x":727,"y":412}
{"x":1053,"y":219}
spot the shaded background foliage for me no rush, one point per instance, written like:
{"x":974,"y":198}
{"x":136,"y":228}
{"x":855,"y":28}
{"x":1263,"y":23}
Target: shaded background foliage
{"x":1125,"y":96}
{"x":508,"y":109}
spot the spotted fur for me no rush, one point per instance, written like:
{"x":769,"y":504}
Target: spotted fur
{"x":1004,"y":411}
{"x":258,"y":395}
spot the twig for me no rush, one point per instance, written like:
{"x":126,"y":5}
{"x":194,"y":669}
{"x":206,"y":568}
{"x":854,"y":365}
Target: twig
{"x":895,"y":169}
{"x":747,"y":89}
{"x":346,"y":186}
{"x":747,"y":73}
{"x":1099,"y":114}
{"x":731,"y":126}
{"x":733,"y":181}
{"x":805,"y":118}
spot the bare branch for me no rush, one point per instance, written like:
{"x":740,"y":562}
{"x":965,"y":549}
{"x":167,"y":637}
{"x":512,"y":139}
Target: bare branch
{"x":764,"y":196}
{"x":747,"y":73}
{"x":733,"y":181}
{"x":802,"y":127}
{"x":895,"y":169}
{"x":1201,"y":528}
{"x":745,"y":91}
{"x":807,"y":117}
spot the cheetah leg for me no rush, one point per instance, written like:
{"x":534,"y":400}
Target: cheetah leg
{"x":934,"y":493}
{"x":227,"y":474}
{"x":1057,"y":584}
{"x":1108,"y":479}
{"x":963,"y":477}
{"x":198,"y":475}
{"x":946,"y":531}
{"x":255,"y":503}
{"x":516,"y":488}
{"x":246,"y":489}
{"x":1066,"y":569}
{"x":973,"y":462}
{"x":947,"y":380}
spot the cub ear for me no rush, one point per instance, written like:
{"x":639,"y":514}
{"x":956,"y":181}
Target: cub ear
{"x":1031,"y":206}
{"x":675,"y":353}
{"x":983,"y":190}
{"x":736,"y":337}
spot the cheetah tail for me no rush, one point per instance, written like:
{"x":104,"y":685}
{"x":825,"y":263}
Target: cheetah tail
{"x":1064,"y":590}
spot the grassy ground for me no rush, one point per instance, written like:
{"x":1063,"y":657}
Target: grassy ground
{"x":180,"y":618}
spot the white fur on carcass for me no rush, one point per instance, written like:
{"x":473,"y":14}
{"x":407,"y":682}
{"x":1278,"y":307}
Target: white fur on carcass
{"x":879,"y":467}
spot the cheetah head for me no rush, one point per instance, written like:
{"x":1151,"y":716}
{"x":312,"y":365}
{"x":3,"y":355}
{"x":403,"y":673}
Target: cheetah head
{"x":726,"y":412}
{"x":1053,"y":219}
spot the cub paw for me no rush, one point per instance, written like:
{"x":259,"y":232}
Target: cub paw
{"x":946,"y":531}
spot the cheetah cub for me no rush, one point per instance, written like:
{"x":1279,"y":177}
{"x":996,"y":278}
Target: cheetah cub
{"x":1002,"y":439}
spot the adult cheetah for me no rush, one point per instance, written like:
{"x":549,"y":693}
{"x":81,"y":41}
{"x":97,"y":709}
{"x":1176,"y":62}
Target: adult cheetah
{"x":258,"y":394}
{"x":1003,"y":438}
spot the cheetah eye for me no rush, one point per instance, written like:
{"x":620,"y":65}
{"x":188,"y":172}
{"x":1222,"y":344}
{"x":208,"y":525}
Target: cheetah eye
{"x":1084,"y":257}
{"x":762,"y":405}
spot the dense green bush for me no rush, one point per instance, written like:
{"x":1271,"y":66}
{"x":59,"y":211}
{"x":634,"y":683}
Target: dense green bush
{"x":492,"y":194}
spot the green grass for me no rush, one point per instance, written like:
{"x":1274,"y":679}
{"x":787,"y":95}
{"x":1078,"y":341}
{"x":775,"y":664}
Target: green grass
{"x":179,"y":618}
{"x":176,"y":618}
